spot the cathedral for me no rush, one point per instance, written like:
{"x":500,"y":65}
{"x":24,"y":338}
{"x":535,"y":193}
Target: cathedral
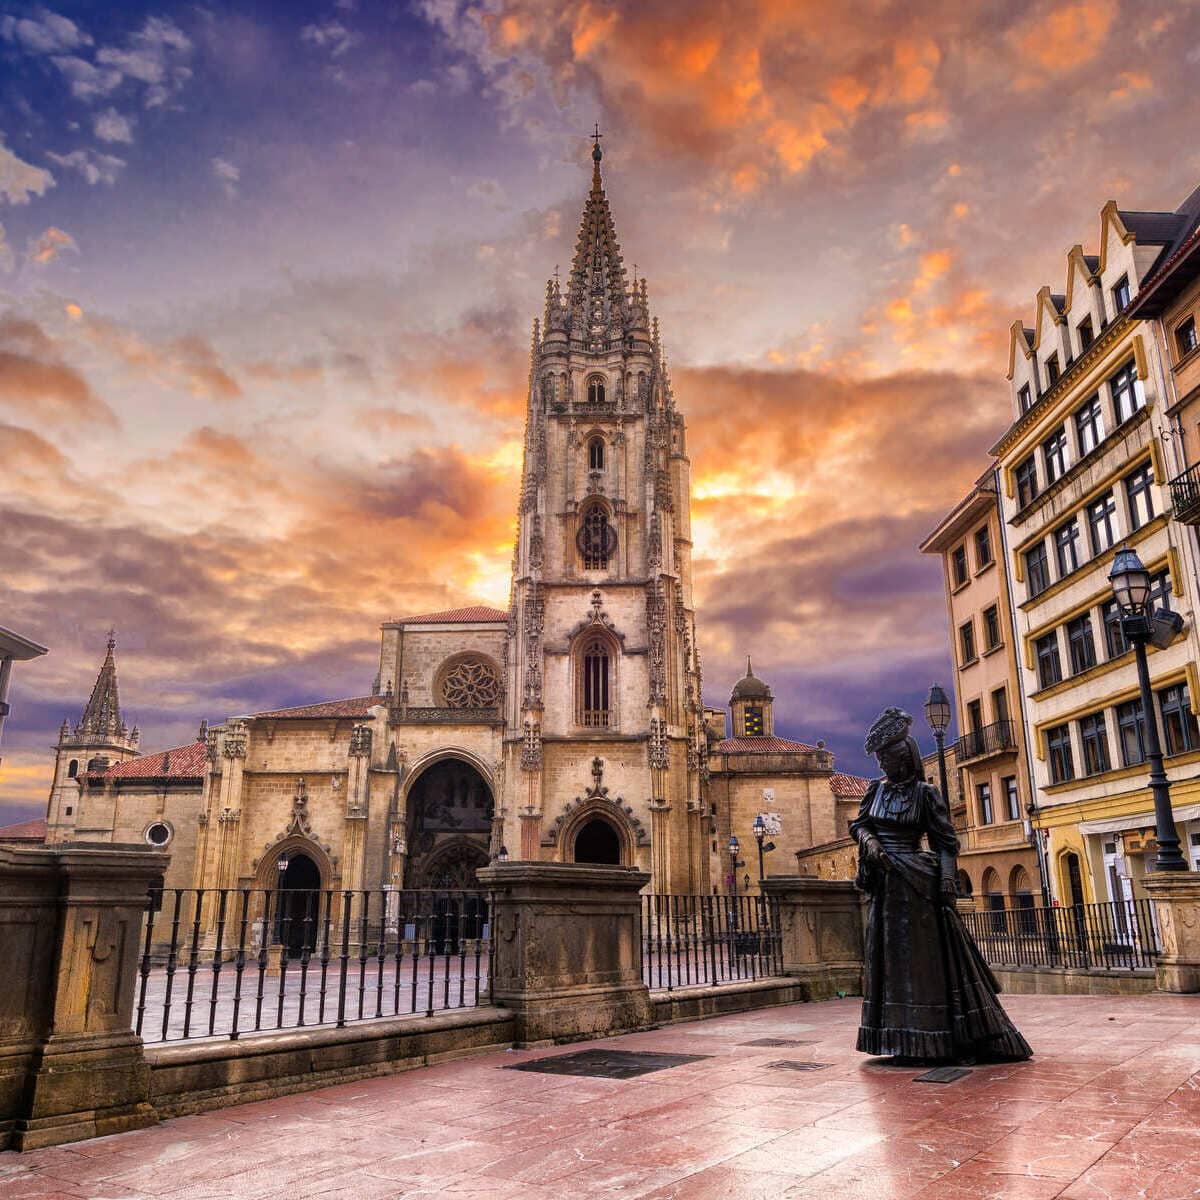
{"x":569,"y":727}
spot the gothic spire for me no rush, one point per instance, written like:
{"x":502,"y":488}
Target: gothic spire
{"x":597,"y":293}
{"x":103,"y":712}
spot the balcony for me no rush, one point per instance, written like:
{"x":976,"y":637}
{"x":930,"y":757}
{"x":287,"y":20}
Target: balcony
{"x":997,"y":738}
{"x":1185,"y":496}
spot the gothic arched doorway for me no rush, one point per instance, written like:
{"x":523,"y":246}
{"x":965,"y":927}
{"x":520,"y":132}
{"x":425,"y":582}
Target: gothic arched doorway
{"x":449,"y":826}
{"x":598,"y":842}
{"x":297,"y":913}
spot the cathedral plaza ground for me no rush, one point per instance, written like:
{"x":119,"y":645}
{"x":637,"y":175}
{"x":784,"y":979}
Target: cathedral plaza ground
{"x":1109,"y":1109}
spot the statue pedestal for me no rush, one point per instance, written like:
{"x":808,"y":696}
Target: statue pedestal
{"x":567,"y":949}
{"x":822,"y":927}
{"x":1176,"y":896}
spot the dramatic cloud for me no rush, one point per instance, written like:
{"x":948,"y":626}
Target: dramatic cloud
{"x":35,"y":381}
{"x":19,"y":180}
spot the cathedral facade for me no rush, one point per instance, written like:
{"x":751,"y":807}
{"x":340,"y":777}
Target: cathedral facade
{"x":569,"y":727}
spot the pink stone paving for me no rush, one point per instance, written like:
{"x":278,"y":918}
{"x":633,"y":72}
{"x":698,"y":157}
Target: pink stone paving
{"x":1109,"y":1109}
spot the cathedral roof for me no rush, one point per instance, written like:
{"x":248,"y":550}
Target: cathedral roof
{"x":326,"y":709}
{"x":183,"y":762}
{"x":102,"y":714}
{"x":24,"y":831}
{"x":472,"y":615}
{"x":750,"y":687}
{"x":848,"y":785}
{"x":761,"y":745}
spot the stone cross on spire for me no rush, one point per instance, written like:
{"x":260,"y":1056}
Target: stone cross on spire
{"x":102,"y":714}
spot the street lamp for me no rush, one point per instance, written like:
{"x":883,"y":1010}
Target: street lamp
{"x":1131,"y":588}
{"x":937,"y":713}
{"x":760,"y":833}
{"x":734,"y":862}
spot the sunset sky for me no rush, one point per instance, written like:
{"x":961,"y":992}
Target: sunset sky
{"x":268,"y":270}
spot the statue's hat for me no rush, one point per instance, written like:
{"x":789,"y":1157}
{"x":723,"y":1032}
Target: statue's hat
{"x":892,"y":725}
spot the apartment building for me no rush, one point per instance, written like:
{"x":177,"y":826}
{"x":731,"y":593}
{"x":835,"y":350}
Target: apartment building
{"x":1081,"y":471}
{"x":998,"y":864}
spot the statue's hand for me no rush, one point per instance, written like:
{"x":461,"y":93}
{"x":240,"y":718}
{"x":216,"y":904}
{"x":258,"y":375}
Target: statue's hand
{"x":876,"y":854}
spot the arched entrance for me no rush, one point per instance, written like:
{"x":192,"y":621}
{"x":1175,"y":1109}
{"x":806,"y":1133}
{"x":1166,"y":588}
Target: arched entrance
{"x":449,"y":826}
{"x":597,"y":842}
{"x":298,"y":909}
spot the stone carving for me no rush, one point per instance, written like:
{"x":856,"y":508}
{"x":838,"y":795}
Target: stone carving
{"x":230,"y":816}
{"x":535,"y":617}
{"x":360,"y":741}
{"x":212,"y":741}
{"x":471,"y":683}
{"x":537,"y":543}
{"x":235,"y":739}
{"x":531,"y":747}
{"x":656,"y":619}
{"x":680,"y":612}
{"x":299,"y":823}
{"x":659,"y":758}
{"x":597,"y":797}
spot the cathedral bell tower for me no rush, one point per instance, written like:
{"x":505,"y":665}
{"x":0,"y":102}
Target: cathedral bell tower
{"x":604,"y":740}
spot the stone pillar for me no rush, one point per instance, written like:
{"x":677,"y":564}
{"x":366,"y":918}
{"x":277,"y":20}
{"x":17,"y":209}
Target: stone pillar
{"x":822,"y":926}
{"x":70,"y":929}
{"x":1176,"y":896}
{"x":567,"y":949}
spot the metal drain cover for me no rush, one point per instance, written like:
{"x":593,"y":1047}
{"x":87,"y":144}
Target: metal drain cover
{"x":795,"y":1064}
{"x":778,"y":1042}
{"x":607,"y":1064}
{"x":942,"y":1075}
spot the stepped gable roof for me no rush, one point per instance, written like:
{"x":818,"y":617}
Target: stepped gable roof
{"x":1177,"y":267}
{"x":324,"y":710}
{"x":473,"y":614}
{"x":182,"y":762}
{"x":1153,"y":228}
{"x":24,"y":831}
{"x":847,"y":786}
{"x":761,"y":745}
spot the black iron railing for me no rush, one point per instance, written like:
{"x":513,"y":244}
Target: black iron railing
{"x":1185,"y":495}
{"x":223,"y":962}
{"x":689,"y":940}
{"x":1116,"y":935}
{"x":991,"y":739}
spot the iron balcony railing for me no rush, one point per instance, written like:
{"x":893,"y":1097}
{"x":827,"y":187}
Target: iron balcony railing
{"x":692,"y":940}
{"x":1185,"y":495}
{"x":224,"y":962}
{"x":991,"y":739}
{"x":1115,"y":935}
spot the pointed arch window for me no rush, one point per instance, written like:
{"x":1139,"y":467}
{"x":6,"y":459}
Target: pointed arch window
{"x":597,"y":539}
{"x":596,"y":454}
{"x":596,"y":692}
{"x":595,"y":390}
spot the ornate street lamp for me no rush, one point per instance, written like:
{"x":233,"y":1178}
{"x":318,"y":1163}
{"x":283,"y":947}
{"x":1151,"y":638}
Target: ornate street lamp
{"x":1131,"y":589}
{"x":760,"y":833}
{"x":937,"y":713}
{"x":734,"y":863}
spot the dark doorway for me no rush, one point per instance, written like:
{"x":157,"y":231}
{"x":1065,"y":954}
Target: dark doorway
{"x":597,"y":842}
{"x":1074,"y":879}
{"x":449,"y":819}
{"x":298,"y":907}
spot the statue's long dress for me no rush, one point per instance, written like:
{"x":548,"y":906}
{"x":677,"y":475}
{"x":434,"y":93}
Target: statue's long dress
{"x":927,"y":991}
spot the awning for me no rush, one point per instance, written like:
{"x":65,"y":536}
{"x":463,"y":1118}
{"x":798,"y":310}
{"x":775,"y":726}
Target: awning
{"x":1189,"y":812}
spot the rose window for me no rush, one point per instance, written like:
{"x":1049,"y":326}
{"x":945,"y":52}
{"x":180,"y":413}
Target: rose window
{"x":471,"y":684}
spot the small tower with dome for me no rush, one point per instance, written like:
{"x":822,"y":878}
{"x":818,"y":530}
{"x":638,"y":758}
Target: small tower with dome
{"x":752,"y":706}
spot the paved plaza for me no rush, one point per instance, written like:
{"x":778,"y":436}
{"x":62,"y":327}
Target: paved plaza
{"x":1109,"y":1109}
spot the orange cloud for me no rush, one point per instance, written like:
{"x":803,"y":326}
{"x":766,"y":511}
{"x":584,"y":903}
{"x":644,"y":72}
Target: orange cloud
{"x":37,"y":384}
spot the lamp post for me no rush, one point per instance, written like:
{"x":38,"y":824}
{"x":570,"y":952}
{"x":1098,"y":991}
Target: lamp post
{"x":734,"y":863}
{"x":1131,"y":587}
{"x":937,"y":713}
{"x":760,"y":832}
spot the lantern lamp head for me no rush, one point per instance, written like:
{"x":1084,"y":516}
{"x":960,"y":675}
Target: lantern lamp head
{"x":1130,"y":582}
{"x":937,"y":709}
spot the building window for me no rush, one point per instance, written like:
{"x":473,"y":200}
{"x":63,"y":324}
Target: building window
{"x":596,"y":454}
{"x":1120,"y":294}
{"x":1012,"y":798}
{"x":991,"y":626}
{"x":1085,"y":334}
{"x":1131,"y":732}
{"x":596,"y":691}
{"x":596,"y":539}
{"x":1058,"y":746}
{"x":1037,"y":569}
{"x":1027,"y":482}
{"x":1102,"y":522}
{"x":1160,"y":590}
{"x":1024,"y":399}
{"x":1066,"y":547}
{"x":1114,"y":635}
{"x":753,"y":721}
{"x":958,"y":560}
{"x":595,"y":391}
{"x":975,"y":718}
{"x":1054,"y":455}
{"x":1127,"y":396}
{"x":1089,"y":425}
{"x":158,"y":834}
{"x":966,"y":641}
{"x":1185,"y":337}
{"x":1048,"y":662}
{"x":1141,"y":499}
{"x":983,"y":547}
{"x":68,"y":810}
{"x":1000,"y":705}
{"x":1178,"y":721}
{"x":1093,"y":733}
{"x":73,"y":768}
{"x":983,"y":796}
{"x":1080,"y":644}
{"x":1052,"y":371}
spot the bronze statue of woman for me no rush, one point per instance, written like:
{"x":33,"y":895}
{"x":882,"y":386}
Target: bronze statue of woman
{"x":927,"y":992}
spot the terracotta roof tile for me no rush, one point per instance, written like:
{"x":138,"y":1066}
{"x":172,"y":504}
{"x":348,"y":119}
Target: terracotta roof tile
{"x":455,"y":616}
{"x":848,"y":785}
{"x":761,"y":745}
{"x":183,"y":762}
{"x":325,"y":709}
{"x":24,"y":831}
